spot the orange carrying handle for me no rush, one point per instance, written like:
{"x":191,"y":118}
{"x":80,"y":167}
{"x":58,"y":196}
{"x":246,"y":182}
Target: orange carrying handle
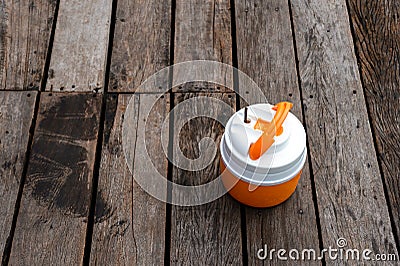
{"x":270,"y":129}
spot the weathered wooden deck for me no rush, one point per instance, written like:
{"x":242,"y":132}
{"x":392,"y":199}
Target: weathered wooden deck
{"x":69,"y":67}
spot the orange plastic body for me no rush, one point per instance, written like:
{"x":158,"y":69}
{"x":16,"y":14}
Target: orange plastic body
{"x":262,"y":196}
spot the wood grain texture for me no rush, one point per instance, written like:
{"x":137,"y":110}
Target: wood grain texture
{"x":349,"y":187}
{"x":134,"y":234}
{"x":377,"y":32}
{"x":51,"y":223}
{"x":16,"y":113}
{"x":208,"y":234}
{"x":141,"y":42}
{"x":203,"y":32}
{"x":266,"y":54}
{"x":25,"y":28}
{"x":79,"y":53}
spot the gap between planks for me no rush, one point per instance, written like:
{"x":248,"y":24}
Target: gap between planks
{"x":99,"y":144}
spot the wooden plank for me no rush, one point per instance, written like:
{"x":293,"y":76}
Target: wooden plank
{"x":349,"y":187}
{"x":135,"y":231}
{"x":377,"y":30}
{"x":203,"y":32}
{"x":16,"y":113}
{"x":141,"y":42}
{"x":51,"y":224}
{"x":266,"y":54}
{"x":25,"y":28}
{"x":208,"y":233}
{"x":79,"y":53}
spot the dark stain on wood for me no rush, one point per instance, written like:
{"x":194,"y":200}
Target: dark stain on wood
{"x":120,"y":227}
{"x":102,"y":210}
{"x":111,"y":110}
{"x":55,"y":176}
{"x":63,"y":153}
{"x":10,"y":164}
{"x":6,"y":165}
{"x":71,"y":118}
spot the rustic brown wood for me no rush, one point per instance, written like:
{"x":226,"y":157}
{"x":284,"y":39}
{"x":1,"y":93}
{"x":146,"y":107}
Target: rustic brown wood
{"x":16,"y":113}
{"x":208,"y":233}
{"x":203,"y":32}
{"x":25,"y":28}
{"x":51,"y":224}
{"x":377,"y":32}
{"x":266,"y":54}
{"x":141,"y":42}
{"x":135,"y":232}
{"x":348,"y":183}
{"x":79,"y":53}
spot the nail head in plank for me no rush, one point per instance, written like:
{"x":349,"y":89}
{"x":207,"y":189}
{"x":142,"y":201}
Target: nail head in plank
{"x":266,"y":54}
{"x":376,"y":25}
{"x":79,"y":53}
{"x":16,"y":114}
{"x":350,"y":195}
{"x":134,"y":231}
{"x":25,"y":28}
{"x":141,"y":43}
{"x":208,"y":233}
{"x":203,"y":32}
{"x":57,"y":191}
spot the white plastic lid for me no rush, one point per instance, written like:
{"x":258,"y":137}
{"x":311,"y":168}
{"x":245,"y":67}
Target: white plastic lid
{"x":280,"y":163}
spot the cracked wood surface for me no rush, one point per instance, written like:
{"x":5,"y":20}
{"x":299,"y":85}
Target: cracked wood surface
{"x":141,"y":43}
{"x":348,"y":184}
{"x":209,"y":233}
{"x":300,"y":51}
{"x":79,"y":52}
{"x":134,"y":233}
{"x":377,"y":31}
{"x":16,"y":114}
{"x":203,"y":32}
{"x":25,"y":28}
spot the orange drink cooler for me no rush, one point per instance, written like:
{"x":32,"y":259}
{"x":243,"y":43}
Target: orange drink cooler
{"x":266,"y":175}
